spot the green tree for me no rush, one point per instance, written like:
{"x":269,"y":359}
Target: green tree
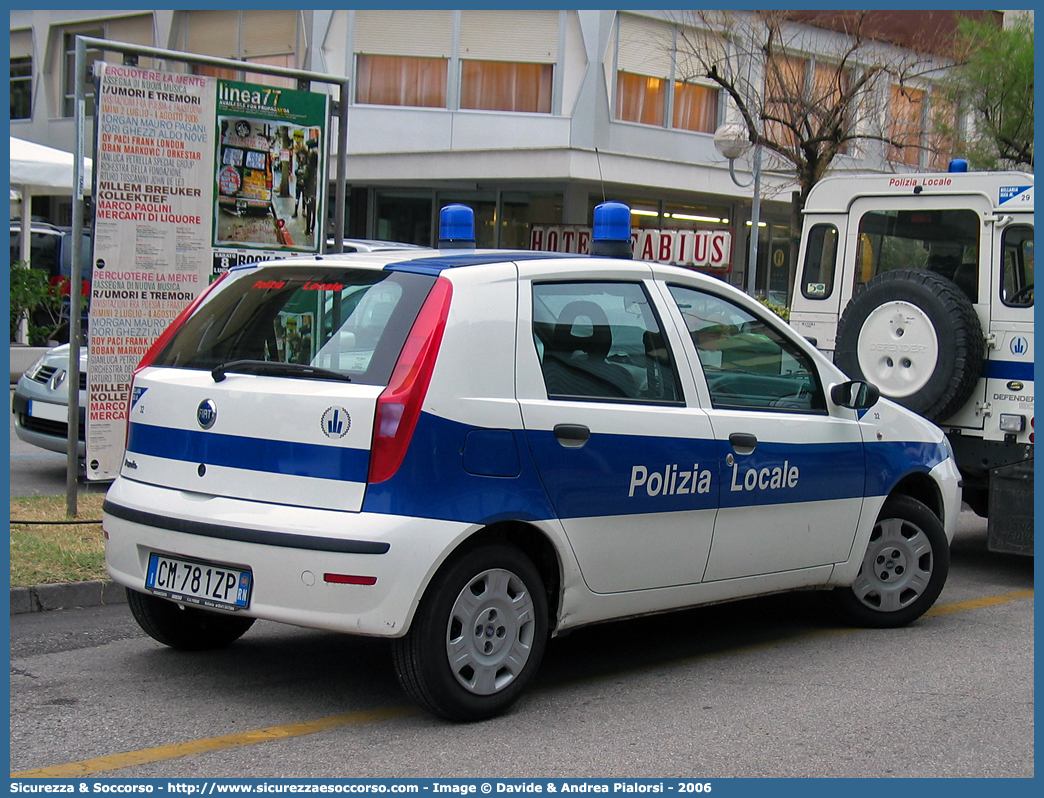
{"x":995,"y":84}
{"x":34,"y":299}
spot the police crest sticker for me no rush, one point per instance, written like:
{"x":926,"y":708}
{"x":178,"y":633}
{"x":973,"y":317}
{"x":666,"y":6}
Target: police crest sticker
{"x":335,"y":422}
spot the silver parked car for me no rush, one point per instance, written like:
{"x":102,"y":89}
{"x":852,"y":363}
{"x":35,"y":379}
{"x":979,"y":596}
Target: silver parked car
{"x":41,"y":401}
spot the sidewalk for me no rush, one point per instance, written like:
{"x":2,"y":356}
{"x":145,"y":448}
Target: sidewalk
{"x":41,"y":598}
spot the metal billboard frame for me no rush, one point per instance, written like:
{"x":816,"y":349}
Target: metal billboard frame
{"x":131,"y":53}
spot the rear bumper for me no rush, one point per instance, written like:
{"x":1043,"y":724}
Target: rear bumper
{"x":289,"y":550}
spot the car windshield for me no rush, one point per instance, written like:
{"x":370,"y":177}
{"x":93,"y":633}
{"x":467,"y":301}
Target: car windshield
{"x":345,"y":321}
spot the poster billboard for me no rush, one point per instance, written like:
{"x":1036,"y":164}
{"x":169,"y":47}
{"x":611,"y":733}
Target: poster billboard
{"x":269,"y":169}
{"x":152,"y":232}
{"x":169,"y":215}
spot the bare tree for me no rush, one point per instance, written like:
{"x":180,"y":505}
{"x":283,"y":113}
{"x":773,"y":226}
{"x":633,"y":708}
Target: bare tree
{"x":812,"y":86}
{"x":805,"y":101}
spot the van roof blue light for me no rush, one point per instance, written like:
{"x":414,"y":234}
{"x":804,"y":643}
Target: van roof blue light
{"x":958,"y":165}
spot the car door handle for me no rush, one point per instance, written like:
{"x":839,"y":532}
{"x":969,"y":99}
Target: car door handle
{"x":572,"y":436}
{"x":743,"y":442}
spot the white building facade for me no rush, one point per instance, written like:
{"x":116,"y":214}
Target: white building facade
{"x":531,"y":117}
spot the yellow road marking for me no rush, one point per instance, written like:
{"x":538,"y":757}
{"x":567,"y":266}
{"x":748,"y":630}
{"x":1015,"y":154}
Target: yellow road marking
{"x":101,"y":764}
{"x":88,"y":767}
{"x":978,"y":604}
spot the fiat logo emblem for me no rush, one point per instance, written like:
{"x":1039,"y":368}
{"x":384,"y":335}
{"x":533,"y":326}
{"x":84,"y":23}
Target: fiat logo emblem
{"x":206,"y":413}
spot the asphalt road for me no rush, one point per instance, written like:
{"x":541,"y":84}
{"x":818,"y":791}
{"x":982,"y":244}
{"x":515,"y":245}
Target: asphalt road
{"x":767,"y":687}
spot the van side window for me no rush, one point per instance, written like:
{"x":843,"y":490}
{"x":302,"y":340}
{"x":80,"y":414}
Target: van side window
{"x":602,"y":341}
{"x":817,"y":281}
{"x":1017,"y":277}
{"x":943,"y":241}
{"x":747,"y":363}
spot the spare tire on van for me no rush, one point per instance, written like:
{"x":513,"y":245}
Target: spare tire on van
{"x":915,"y":335}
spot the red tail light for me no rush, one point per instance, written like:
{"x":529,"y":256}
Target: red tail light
{"x":399,"y":406}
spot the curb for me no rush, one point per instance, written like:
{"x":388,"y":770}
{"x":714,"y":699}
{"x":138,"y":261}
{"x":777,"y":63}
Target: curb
{"x":43,"y":598}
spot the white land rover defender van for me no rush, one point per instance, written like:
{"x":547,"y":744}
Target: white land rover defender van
{"x":922,"y":284}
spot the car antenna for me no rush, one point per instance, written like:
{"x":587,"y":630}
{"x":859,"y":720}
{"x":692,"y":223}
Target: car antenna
{"x":598,"y":160}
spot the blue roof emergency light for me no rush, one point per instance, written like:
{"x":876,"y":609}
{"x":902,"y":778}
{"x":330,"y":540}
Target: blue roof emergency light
{"x":611,"y":237}
{"x":456,"y":227}
{"x":958,"y":165}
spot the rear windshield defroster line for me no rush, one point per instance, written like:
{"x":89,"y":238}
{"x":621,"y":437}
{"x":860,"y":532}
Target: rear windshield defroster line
{"x":261,"y":537}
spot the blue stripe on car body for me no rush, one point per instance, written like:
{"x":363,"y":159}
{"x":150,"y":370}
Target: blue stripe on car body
{"x":254,"y":454}
{"x":433,"y":482}
{"x":1009,"y":370}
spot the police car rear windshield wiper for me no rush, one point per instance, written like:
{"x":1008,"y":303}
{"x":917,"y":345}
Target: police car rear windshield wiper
{"x":275,"y":367}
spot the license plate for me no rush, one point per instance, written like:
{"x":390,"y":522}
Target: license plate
{"x":205,"y":583}
{"x":48,"y":411}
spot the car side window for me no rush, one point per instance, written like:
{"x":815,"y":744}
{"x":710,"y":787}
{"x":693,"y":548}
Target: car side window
{"x":602,"y":341}
{"x":746,"y":361}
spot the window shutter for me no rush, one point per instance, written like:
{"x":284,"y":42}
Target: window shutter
{"x":420,"y":33}
{"x":711,"y":48}
{"x":520,"y":36}
{"x":132,"y":30}
{"x":21,"y":44}
{"x":645,"y":47}
{"x":269,"y":32}
{"x":213,"y":33}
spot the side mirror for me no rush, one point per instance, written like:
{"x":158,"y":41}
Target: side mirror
{"x":856,"y":395}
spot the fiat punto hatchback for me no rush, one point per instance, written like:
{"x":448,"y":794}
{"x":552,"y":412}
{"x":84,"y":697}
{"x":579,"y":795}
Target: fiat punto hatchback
{"x":471,"y":451}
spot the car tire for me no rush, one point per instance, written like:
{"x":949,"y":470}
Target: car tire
{"x":915,"y":335}
{"x":478,"y":636}
{"x":185,"y":628}
{"x":903,"y":571}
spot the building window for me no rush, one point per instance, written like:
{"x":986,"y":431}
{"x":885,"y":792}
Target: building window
{"x":130,"y":30}
{"x":944,"y":139}
{"x":505,"y":86}
{"x":640,"y":98}
{"x":695,"y":107}
{"x":403,"y":215}
{"x":401,"y":80}
{"x":659,"y":78}
{"x":69,"y":76}
{"x":266,"y":37}
{"x":800,"y":98}
{"x":21,"y":88}
{"x":906,"y":125}
{"x":521,"y":210}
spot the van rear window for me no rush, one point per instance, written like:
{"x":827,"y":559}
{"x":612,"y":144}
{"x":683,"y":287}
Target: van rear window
{"x":351,"y":321}
{"x":945,"y":241}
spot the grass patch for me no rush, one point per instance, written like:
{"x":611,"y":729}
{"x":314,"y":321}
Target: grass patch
{"x":44,"y":551}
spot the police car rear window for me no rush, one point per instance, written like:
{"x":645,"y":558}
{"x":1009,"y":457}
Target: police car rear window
{"x":350,"y":321}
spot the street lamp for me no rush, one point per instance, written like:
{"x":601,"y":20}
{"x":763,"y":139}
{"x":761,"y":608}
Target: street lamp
{"x":732,"y":141}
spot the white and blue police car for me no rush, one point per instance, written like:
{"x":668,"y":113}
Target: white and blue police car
{"x":470,"y":451}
